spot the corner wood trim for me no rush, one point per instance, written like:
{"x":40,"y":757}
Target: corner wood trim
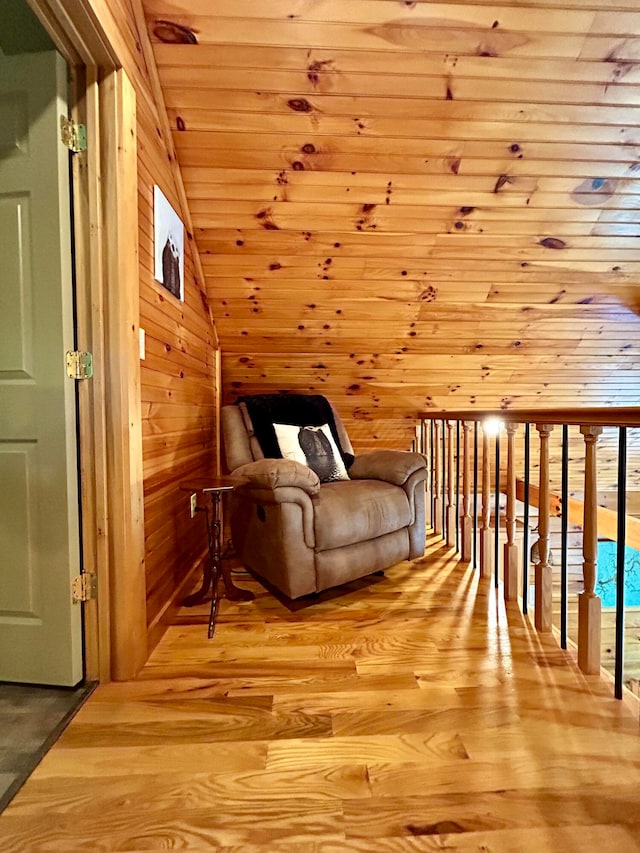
{"x":122,"y":379}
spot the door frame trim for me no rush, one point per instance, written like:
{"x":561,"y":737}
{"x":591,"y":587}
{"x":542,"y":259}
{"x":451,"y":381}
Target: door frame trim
{"x":107,"y":291}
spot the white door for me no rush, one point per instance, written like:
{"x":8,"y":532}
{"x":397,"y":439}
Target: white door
{"x":40,"y":626}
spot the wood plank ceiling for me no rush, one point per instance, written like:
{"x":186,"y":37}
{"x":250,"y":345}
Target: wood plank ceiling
{"x":413,"y":204}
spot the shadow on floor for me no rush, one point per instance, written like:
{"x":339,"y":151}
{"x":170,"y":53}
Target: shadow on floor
{"x":31,"y":720}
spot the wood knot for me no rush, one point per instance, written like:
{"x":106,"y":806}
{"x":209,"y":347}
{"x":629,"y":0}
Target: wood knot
{"x":172,"y":33}
{"x":300,"y":105}
{"x":502,"y":180}
{"x":552,"y":243}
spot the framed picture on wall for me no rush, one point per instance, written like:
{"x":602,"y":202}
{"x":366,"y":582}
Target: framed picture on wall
{"x":168,"y":244}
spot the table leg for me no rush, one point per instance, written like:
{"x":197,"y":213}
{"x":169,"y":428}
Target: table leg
{"x":215,"y":554}
{"x":214,"y":568}
{"x":233,"y":592}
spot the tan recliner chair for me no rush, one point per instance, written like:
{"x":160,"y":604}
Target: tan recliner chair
{"x":303,"y":536}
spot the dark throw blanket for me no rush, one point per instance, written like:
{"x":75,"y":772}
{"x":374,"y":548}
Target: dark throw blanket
{"x":297,"y":409}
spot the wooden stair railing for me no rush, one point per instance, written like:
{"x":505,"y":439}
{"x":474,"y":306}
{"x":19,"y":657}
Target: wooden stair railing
{"x":458,"y":525}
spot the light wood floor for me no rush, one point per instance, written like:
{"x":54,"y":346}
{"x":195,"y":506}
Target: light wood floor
{"x":403,"y":713}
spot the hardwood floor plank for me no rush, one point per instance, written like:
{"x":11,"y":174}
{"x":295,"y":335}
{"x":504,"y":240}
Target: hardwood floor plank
{"x":370,"y":700}
{"x":392,"y":780}
{"x":448,"y":814}
{"x":255,"y":669}
{"x":98,"y":762}
{"x":217,"y":727}
{"x":157,"y":792}
{"x":383,"y":722}
{"x":613,"y":839}
{"x":126,"y":830}
{"x":365,"y":748}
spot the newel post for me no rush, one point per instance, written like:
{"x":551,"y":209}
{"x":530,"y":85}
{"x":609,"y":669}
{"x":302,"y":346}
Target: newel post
{"x":466,"y":523}
{"x":486,"y":538}
{"x":589,"y":604}
{"x":437,"y":482}
{"x":543,"y":571}
{"x":511,"y":558}
{"x":451,"y":506}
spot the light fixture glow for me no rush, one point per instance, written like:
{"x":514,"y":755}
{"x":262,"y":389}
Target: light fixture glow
{"x":492,"y":426}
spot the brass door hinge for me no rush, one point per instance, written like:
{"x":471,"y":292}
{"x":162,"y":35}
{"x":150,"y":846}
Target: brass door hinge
{"x":84,"y":587}
{"x":74,"y":136}
{"x":79,"y":365}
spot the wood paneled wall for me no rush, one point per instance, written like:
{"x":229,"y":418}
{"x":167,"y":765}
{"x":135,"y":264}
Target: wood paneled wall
{"x":178,"y":394}
{"x":178,"y":382}
{"x":413,"y":204}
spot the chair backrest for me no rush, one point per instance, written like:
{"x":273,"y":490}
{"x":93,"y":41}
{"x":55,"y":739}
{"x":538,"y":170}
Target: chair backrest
{"x":241,"y":444}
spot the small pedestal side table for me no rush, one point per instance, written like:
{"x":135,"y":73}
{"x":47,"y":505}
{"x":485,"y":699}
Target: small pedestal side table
{"x":214,"y":488}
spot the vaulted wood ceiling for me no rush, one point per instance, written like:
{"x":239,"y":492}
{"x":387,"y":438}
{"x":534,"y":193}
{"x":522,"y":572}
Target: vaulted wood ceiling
{"x":413,"y":204}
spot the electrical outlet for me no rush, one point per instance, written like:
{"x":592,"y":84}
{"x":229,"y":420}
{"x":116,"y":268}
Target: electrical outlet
{"x":193,"y":504}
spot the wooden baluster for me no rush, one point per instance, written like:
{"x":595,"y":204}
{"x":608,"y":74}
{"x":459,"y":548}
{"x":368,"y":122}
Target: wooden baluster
{"x":511,"y":556}
{"x":426,"y":452}
{"x":589,"y":604}
{"x":486,"y":535}
{"x":451,"y":507}
{"x":466,"y":525}
{"x":437,"y":487}
{"x":543,"y":571}
{"x":474,"y":520}
{"x":432,"y":491}
{"x":620,"y":566}
{"x":496,"y":512}
{"x":525,"y":521}
{"x":458,"y":508}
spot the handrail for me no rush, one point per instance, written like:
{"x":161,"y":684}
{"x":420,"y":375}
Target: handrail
{"x":616,"y":416}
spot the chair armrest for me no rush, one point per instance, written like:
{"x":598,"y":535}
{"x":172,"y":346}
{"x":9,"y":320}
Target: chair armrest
{"x":392,"y":466}
{"x":273,"y":473}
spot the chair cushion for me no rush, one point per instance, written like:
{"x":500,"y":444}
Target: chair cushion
{"x":350,"y":511}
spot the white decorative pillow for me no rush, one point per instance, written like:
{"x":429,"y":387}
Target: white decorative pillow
{"x":315,"y":447}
